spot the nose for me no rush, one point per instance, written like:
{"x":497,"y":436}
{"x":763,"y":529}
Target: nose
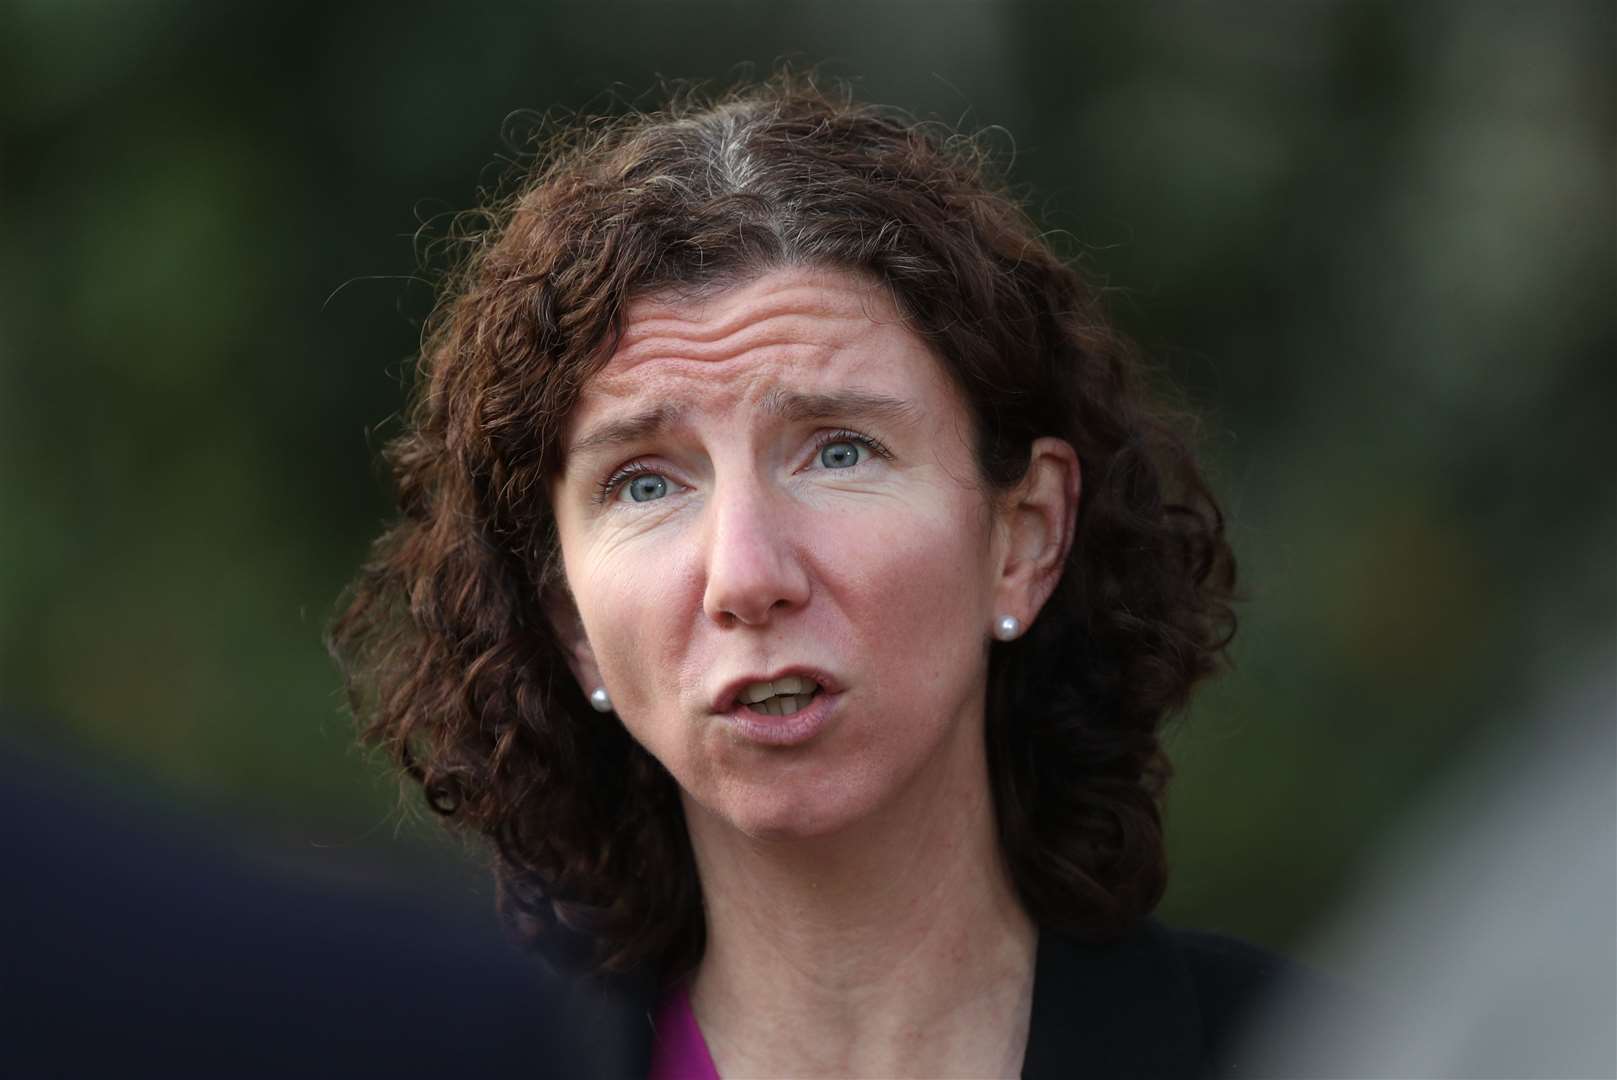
{"x":755,"y":568}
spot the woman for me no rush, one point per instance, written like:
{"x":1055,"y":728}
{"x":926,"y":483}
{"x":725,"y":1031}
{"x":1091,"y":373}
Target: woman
{"x":793,"y":576}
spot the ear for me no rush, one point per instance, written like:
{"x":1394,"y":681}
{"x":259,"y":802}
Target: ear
{"x":1036,"y":525}
{"x":562,"y":612}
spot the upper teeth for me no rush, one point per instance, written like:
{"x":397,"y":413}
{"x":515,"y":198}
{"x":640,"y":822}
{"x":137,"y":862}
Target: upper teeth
{"x":791,"y":684}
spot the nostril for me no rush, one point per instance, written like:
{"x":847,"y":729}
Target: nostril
{"x":754,"y":568}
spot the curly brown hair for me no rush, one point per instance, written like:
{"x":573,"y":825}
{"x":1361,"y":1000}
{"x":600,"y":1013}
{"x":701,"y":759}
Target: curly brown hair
{"x":454,"y":668}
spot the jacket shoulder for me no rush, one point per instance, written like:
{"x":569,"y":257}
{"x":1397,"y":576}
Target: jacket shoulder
{"x":1239,"y":987}
{"x":1155,"y":1003}
{"x":1234,"y":981}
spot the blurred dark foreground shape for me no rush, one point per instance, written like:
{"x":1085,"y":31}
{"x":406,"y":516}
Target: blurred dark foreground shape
{"x":136,"y":946}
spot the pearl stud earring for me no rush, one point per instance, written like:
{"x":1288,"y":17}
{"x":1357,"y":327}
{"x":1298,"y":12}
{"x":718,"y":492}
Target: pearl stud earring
{"x":1007,"y":628}
{"x":599,"y":700}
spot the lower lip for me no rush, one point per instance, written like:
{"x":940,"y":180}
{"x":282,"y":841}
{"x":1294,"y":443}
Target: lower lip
{"x":793,"y":730}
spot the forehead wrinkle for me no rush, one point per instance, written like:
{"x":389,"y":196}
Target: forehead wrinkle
{"x":836,"y":297}
{"x":793,"y":320}
{"x":684,"y":340}
{"x":796,"y":305}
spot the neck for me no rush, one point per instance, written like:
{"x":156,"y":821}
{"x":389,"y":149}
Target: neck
{"x":896,"y":947}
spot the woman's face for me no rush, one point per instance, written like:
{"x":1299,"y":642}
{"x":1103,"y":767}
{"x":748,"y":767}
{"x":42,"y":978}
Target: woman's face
{"x":778,"y":479}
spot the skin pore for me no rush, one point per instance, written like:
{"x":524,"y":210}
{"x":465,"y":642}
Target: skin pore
{"x":778,"y":475}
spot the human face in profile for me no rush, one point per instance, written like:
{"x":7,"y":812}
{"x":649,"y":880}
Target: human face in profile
{"x":771,"y":489}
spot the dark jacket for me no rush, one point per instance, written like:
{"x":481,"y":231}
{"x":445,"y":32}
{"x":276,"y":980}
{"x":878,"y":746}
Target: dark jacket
{"x":1160,"y":1004}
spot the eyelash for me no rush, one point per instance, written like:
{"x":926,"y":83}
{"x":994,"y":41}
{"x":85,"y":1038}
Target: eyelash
{"x":607,"y":488}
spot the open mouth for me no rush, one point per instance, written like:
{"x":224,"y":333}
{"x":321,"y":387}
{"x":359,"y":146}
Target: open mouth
{"x":780,"y":697}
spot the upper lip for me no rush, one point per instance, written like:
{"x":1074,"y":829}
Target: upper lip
{"x":726,"y":699}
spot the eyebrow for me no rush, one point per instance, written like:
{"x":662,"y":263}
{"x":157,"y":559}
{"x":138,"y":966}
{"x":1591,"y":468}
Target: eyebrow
{"x":792,"y":405}
{"x":629,"y":429}
{"x":853,"y":404}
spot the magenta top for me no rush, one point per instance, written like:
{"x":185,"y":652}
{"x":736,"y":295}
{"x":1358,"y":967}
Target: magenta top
{"x":678,"y":1051}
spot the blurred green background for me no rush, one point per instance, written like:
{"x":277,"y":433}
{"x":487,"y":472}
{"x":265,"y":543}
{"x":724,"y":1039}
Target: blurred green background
{"x":1376,"y":242}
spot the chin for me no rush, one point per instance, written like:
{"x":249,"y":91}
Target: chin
{"x":784,"y":812}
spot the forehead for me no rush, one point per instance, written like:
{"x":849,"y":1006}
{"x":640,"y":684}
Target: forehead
{"x":809,"y":328}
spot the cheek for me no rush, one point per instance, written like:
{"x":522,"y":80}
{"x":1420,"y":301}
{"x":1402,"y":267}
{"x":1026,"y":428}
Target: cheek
{"x":917,"y":586}
{"x":633,"y":604}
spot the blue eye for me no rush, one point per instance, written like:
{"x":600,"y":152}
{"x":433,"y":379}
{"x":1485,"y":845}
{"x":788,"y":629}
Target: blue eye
{"x":842,"y":454}
{"x":646,"y":486}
